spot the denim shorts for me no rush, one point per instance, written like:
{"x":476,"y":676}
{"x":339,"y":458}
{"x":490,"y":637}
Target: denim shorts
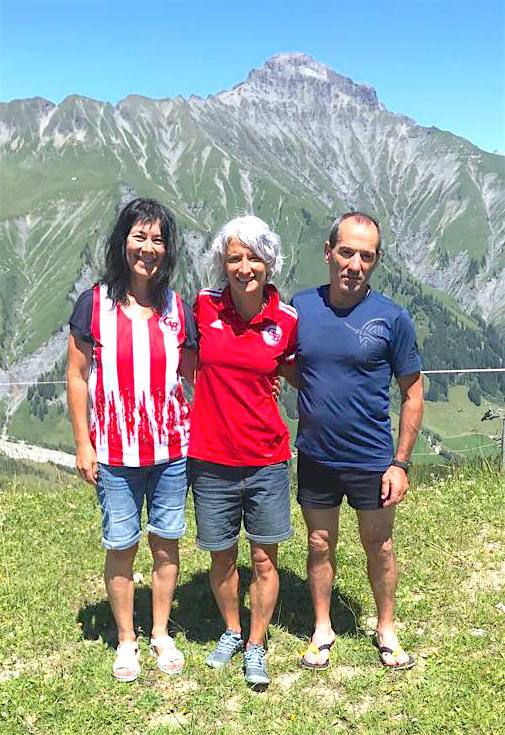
{"x":225,"y":495}
{"x":121,"y":492}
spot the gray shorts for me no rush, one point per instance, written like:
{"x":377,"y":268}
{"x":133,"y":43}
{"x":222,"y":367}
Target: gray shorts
{"x":225,"y":495}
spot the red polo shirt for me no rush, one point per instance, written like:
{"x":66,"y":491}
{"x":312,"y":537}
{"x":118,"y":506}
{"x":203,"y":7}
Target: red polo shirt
{"x":235,"y":420}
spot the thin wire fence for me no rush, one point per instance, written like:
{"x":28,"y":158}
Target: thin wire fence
{"x":31,"y":441}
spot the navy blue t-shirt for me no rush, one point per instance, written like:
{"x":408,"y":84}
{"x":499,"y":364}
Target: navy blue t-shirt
{"x":346,"y":358}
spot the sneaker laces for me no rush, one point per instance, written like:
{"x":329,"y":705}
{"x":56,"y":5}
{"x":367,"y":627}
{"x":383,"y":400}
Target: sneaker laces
{"x":228,"y":642}
{"x":254,"y":656}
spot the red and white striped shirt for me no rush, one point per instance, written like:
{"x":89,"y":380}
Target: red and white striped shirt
{"x":138,"y":413}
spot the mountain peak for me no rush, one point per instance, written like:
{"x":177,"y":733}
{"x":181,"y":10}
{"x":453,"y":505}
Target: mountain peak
{"x":294,"y":60}
{"x":301,"y":69}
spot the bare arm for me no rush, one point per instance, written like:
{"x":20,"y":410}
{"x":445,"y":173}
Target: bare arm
{"x":395,"y":482}
{"x":290,"y":373}
{"x":187,"y":365}
{"x":78,"y":365}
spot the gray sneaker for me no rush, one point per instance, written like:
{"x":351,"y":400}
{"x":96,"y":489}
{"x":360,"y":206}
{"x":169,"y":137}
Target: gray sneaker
{"x":254,"y":664}
{"x":228,"y":645}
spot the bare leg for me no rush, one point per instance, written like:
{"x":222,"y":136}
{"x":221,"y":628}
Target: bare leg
{"x":224,"y":582}
{"x":120,"y":589}
{"x":264,"y":589}
{"x":164,"y":579}
{"x":376,"y":530}
{"x":322,"y":531}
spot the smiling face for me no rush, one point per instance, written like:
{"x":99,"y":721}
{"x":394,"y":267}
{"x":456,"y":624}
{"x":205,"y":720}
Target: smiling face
{"x":246,"y":271}
{"x":145,"y":249}
{"x":352,"y":261}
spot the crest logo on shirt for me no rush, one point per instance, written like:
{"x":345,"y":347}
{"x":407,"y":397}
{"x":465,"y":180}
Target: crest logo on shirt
{"x":272,"y":335}
{"x":172,"y":324}
{"x":370,"y":332}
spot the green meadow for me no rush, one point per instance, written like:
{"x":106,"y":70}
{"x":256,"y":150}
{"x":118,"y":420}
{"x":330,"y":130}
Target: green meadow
{"x":57,"y":633}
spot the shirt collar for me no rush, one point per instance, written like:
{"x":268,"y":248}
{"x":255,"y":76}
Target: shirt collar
{"x":268,"y":313}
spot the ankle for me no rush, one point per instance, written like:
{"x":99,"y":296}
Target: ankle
{"x":323,"y":627}
{"x":235,"y":629}
{"x":127,"y":638}
{"x":385,"y":629}
{"x":159,"y":632}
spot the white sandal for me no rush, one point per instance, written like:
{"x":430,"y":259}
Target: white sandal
{"x":127,"y":659}
{"x":170,"y":659}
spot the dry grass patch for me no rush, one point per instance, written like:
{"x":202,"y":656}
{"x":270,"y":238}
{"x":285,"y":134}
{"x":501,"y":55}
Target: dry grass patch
{"x":286,"y":681}
{"x":326,"y":696}
{"x":168,"y":719}
{"x":234,"y":704}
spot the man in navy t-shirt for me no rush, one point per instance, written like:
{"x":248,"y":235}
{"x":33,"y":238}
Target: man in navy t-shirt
{"x":351,"y":341}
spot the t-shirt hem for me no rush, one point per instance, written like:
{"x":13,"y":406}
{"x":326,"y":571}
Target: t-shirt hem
{"x":243,"y":461}
{"x":162,"y":460}
{"x":379,"y":466}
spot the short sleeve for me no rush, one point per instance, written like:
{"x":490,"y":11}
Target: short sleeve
{"x":80,"y":320}
{"x":290,"y":352}
{"x":196,"y":311}
{"x":191,"y":342}
{"x":406,"y":358}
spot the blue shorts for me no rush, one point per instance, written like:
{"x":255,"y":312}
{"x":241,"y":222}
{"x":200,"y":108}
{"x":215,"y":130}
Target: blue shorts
{"x":121,"y":492}
{"x":225,"y":495}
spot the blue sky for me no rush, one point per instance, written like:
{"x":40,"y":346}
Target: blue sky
{"x":441,"y":62}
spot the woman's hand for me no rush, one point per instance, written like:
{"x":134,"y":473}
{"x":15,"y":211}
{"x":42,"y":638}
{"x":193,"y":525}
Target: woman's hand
{"x":86,"y":463}
{"x":276,"y":388}
{"x":187,"y":365}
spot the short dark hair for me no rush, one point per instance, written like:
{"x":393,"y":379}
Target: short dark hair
{"x":361,"y":218}
{"x":117,"y":271}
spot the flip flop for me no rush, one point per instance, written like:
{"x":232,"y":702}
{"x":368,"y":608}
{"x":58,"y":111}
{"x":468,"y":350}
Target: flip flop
{"x":312,"y":648}
{"x":395,"y":654}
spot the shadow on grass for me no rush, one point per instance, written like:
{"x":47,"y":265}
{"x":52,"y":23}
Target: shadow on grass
{"x":195,"y":612}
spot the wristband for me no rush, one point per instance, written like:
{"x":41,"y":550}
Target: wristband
{"x":400,"y":463}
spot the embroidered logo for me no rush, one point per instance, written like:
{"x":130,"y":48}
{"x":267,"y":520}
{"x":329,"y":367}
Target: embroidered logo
{"x":370,"y":332}
{"x":172,"y":324}
{"x":272,"y":335}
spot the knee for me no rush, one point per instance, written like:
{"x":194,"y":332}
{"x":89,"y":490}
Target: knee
{"x":320,"y":543}
{"x":225,"y":561}
{"x":163,"y":550}
{"x":377,"y":545}
{"x":264,"y":564}
{"x":122,"y":555}
{"x":120,"y":561}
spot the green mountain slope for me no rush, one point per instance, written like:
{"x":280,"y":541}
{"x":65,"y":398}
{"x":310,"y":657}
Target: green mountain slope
{"x":294,"y":143}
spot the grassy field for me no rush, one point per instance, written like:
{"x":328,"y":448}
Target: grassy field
{"x":459,"y":415}
{"x":474,"y":444}
{"x":56,"y":629}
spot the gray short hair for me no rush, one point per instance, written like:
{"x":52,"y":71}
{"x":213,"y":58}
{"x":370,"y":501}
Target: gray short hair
{"x":254,"y":234}
{"x":361,"y":218}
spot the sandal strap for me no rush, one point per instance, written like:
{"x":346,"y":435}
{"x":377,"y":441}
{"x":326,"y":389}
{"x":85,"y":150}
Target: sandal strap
{"x":163,"y":641}
{"x":127,"y":656}
{"x":386,"y":649}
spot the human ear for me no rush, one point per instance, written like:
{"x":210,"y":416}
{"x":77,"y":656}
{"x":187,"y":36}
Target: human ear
{"x":327,"y":251}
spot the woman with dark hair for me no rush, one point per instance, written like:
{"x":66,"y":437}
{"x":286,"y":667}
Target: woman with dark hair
{"x":129,"y":339}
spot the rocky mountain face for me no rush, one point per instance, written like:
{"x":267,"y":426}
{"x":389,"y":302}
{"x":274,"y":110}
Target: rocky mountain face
{"x":295,"y":143}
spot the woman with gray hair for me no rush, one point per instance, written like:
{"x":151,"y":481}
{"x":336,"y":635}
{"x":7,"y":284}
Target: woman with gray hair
{"x":239,"y":445}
